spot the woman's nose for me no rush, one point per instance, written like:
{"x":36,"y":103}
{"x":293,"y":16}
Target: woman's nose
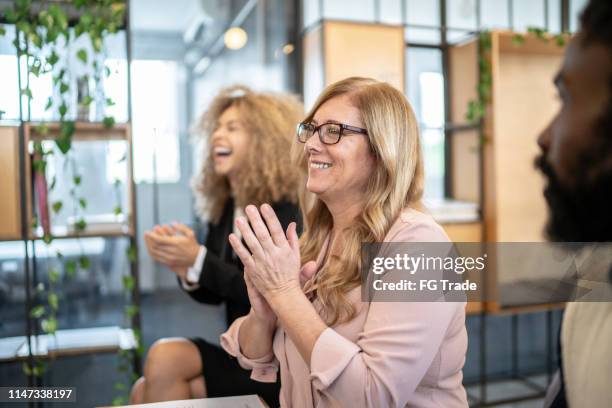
{"x":313,"y":144}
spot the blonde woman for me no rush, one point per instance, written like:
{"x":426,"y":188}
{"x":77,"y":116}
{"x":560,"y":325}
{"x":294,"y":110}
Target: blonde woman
{"x":361,"y":149}
{"x":248,"y":136}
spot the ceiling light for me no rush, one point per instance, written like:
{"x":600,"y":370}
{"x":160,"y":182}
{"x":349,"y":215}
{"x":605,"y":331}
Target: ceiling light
{"x":235,"y":38}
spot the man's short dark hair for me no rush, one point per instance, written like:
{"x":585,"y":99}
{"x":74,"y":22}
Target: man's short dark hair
{"x":596,"y":22}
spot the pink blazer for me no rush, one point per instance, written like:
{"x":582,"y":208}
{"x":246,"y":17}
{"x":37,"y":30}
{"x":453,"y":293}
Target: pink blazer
{"x":392,"y":354}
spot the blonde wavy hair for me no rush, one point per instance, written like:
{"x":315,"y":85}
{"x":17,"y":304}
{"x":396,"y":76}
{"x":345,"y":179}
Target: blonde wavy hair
{"x":267,"y":174}
{"x":396,"y":183}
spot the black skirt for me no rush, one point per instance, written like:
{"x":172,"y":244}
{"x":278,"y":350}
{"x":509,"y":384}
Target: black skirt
{"x":224,"y":377}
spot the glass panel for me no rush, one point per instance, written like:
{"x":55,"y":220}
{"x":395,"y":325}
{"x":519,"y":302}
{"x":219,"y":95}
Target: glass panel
{"x":433,"y":153}
{"x":422,"y":35}
{"x":425,"y":90}
{"x":554,"y":16}
{"x":576,"y":7}
{"x":360,"y":10}
{"x":310,"y":12}
{"x":494,"y":14}
{"x":9,"y":97}
{"x":423,"y":12}
{"x":457,"y":36}
{"x":528,"y":13}
{"x":391,"y":11}
{"x":98,"y":164}
{"x":155,"y":120}
{"x":461,"y":14}
{"x":12,"y":292}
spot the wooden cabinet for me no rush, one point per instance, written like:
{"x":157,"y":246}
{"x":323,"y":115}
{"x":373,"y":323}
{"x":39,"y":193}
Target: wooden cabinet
{"x":500,"y":172}
{"x":335,"y":50}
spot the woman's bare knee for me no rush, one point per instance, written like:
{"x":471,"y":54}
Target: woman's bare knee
{"x":174,"y":359}
{"x":137,"y":393}
{"x":197,"y":387}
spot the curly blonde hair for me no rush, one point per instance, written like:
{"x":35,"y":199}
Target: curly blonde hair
{"x":396,"y":183}
{"x":267,"y":174}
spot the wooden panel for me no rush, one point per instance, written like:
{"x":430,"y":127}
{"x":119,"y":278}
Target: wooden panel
{"x":312,"y":46}
{"x":464,"y":232}
{"x":463,"y":73}
{"x":10,"y":208}
{"x":465,"y":171}
{"x":369,"y":50}
{"x":83,"y":131}
{"x":524,"y":103}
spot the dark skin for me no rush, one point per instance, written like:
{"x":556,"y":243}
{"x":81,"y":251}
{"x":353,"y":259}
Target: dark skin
{"x":583,"y":84}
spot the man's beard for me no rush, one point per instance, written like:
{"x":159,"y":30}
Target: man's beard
{"x":582,"y":213}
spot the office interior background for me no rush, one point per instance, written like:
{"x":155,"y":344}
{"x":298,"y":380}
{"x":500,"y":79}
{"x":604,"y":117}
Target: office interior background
{"x":111,"y":309}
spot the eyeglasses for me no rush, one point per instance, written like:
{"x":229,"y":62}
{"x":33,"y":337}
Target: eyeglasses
{"x":329,"y":133}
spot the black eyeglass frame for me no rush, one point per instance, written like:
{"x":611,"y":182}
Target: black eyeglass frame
{"x":317,"y":129}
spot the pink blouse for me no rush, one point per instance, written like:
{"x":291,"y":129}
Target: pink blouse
{"x":392,"y":354}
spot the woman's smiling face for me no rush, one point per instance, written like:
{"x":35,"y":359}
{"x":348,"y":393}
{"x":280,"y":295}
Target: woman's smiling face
{"x":340,"y":171}
{"x":229,"y":142}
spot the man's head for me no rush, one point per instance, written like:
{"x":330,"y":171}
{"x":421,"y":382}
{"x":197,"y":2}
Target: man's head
{"x":577,"y":145}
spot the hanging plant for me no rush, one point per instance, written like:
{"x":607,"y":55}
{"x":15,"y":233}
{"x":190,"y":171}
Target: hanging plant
{"x":477,"y":108}
{"x":46,"y":43}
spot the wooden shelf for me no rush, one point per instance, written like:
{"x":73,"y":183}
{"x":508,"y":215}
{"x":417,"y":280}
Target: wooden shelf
{"x":68,"y":343}
{"x":84,"y":131}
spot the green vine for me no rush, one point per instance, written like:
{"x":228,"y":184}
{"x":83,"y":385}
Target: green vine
{"x":42,"y":33}
{"x":477,"y":108}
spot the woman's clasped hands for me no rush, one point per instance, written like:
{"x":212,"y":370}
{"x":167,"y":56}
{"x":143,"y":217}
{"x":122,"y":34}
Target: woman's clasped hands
{"x":271,"y":259}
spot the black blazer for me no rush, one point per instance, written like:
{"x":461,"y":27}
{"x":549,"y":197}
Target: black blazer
{"x":222,"y":277}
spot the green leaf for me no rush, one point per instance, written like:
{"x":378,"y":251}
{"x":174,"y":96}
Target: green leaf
{"x":64,"y":142}
{"x":37,"y":312}
{"x":2,"y":30}
{"x":81,"y":225}
{"x":120,"y":387}
{"x":518,"y":40}
{"x":560,"y":40}
{"x":120,"y":400}
{"x":34,"y":222}
{"x":118,"y":210}
{"x":107,"y":71}
{"x":54,"y":275}
{"x":108,"y":122}
{"x":131,"y":311}
{"x":77,"y":180}
{"x":109,"y":102}
{"x":82,"y":55}
{"x":70,"y":268}
{"x":87,"y":100}
{"x":64,"y":87}
{"x":82,"y":203}
{"x":27,"y":92}
{"x":128,"y":282}
{"x":39,"y":166}
{"x":49,"y":326}
{"x":47,"y":238}
{"x":53,"y":59}
{"x":27,"y":370}
{"x":132,"y":254}
{"x":53,"y":301}
{"x":57,"y":206}
{"x":63,"y":109}
{"x":84,"y":262}
{"x":49,"y":104}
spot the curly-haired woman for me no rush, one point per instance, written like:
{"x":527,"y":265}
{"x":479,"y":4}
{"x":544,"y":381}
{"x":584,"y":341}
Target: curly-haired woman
{"x":361,"y":149}
{"x":248,"y":135}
